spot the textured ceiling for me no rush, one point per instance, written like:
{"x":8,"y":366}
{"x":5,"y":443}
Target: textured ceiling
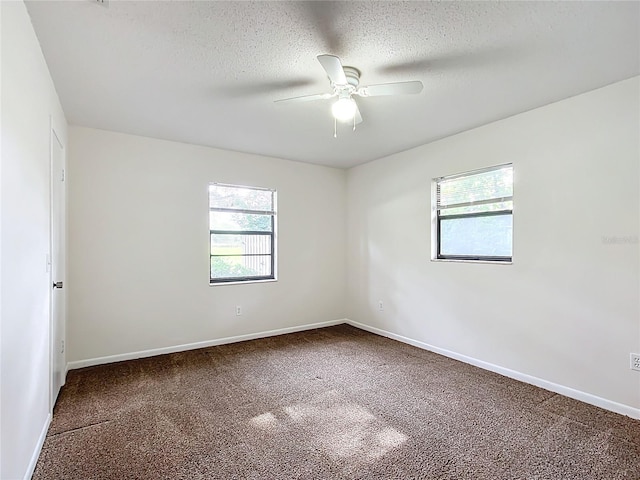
{"x":208,"y":72}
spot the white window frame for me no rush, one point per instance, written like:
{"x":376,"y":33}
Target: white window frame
{"x":436,"y":217}
{"x":272,"y":234}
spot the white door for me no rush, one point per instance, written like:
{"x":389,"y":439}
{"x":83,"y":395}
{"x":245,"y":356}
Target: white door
{"x":58,"y":363}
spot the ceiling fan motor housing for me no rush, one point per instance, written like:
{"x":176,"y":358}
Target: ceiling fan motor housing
{"x":353,"y":79}
{"x":353,"y":76}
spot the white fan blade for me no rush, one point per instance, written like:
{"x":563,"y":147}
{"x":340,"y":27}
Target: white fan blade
{"x":306,"y":98}
{"x":357,"y":115}
{"x":333,"y":66}
{"x":399,"y":88}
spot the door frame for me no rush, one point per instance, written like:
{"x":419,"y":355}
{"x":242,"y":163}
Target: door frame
{"x":55,"y":137}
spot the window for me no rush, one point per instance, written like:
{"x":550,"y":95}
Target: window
{"x":474,"y":215}
{"x":242,"y":224}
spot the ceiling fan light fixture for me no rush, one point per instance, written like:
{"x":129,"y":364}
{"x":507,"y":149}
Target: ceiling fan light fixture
{"x":345,"y":84}
{"x":344,"y":109}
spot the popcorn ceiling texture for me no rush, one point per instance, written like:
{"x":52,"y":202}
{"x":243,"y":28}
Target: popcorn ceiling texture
{"x":208,"y":72}
{"x":333,"y":403}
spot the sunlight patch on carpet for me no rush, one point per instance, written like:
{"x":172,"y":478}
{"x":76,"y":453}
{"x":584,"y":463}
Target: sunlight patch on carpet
{"x":266,"y":421}
{"x":335,"y":425}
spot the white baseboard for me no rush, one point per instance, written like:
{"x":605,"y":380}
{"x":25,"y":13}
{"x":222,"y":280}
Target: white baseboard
{"x":36,"y":452}
{"x":192,"y":346}
{"x":523,"y":377}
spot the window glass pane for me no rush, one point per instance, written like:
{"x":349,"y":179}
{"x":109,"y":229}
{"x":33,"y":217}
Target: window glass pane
{"x":240,"y":266}
{"x":222,"y":244}
{"x":486,"y":207}
{"x":246,"y":251}
{"x":240,"y":197}
{"x":477,"y":236}
{"x":239,"y":222}
{"x":476,"y":187}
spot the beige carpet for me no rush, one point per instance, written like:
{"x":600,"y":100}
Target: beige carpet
{"x":334,"y":403}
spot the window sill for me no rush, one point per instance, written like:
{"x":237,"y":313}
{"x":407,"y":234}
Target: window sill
{"x":242,"y":282}
{"x":453,"y":260}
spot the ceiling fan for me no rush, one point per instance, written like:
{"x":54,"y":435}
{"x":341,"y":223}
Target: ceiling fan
{"x":345,"y":83}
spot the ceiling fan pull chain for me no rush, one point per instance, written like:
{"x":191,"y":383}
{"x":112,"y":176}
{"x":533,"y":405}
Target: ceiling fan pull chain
{"x":335,"y":128}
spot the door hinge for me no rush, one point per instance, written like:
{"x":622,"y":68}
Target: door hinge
{"x":62,"y":176}
{"x":62,"y":351}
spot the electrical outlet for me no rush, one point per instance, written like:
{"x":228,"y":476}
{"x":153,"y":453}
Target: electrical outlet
{"x":238,"y":310}
{"x":380,"y":305}
{"x":635,"y":361}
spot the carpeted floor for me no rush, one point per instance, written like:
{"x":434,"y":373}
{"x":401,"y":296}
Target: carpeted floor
{"x":334,"y":403}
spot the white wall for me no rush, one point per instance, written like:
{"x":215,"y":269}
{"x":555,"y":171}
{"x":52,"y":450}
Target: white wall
{"x":138,"y":242}
{"x":567,"y":310}
{"x":28,"y":101}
